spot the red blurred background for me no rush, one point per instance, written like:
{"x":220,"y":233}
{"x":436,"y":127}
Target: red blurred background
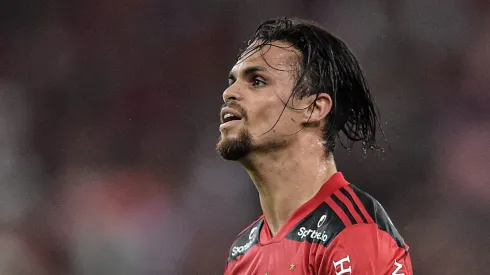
{"x":109,"y":119}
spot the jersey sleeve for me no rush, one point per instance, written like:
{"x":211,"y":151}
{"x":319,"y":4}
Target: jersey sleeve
{"x":363,"y":249}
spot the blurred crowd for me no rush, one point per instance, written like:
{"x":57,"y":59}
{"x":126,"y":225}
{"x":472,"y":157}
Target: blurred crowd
{"x":109,"y":120}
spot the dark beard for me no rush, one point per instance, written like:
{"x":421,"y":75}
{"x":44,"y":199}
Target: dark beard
{"x":236,"y":148}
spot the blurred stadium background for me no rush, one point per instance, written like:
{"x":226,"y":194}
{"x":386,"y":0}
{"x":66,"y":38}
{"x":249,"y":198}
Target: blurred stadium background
{"x":109,"y":119}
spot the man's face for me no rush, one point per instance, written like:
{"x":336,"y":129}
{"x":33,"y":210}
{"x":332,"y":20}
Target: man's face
{"x":255,"y":117}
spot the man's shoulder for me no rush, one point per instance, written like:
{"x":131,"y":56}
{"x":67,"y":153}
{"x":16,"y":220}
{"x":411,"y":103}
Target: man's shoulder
{"x":377,"y":214}
{"x":246,"y":239}
{"x":346,"y":207}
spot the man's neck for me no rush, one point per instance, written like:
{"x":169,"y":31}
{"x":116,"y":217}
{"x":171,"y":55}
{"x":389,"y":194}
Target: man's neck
{"x":288,"y":178}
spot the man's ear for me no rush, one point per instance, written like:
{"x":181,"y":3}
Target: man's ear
{"x":319,"y":109}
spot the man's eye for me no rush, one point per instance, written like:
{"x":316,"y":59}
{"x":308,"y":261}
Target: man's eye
{"x":257,"y":82}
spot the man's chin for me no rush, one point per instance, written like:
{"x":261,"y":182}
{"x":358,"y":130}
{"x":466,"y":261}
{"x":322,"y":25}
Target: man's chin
{"x":234,"y":148}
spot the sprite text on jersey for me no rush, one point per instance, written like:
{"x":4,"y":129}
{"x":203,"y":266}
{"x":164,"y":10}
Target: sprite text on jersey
{"x":313,"y":234}
{"x":240,"y":249}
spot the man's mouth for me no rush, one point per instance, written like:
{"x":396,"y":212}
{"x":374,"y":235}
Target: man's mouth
{"x":229,"y":117}
{"x":228,"y":114}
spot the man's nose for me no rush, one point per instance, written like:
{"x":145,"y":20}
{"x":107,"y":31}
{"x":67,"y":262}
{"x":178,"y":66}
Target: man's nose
{"x":231,"y":93}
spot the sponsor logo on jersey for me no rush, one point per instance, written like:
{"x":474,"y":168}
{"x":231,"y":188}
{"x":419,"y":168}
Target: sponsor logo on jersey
{"x":321,"y":221}
{"x":314,"y":234}
{"x":242,"y":248}
{"x":344,"y":265}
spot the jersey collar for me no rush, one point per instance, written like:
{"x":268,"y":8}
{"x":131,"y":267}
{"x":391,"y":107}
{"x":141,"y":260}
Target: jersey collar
{"x":334,"y":183}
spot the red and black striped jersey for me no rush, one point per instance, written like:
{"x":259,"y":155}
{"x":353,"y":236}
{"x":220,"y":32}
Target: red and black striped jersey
{"x":341,"y":230}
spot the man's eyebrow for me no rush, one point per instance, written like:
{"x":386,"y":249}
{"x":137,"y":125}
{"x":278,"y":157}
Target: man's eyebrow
{"x":246,"y":72}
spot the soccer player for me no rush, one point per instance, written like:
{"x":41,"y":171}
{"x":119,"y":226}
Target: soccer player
{"x":292,"y":92}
